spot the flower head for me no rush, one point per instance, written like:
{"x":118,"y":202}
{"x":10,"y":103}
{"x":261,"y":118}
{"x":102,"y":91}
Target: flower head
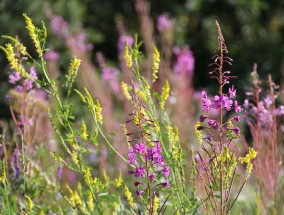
{"x":164,"y":23}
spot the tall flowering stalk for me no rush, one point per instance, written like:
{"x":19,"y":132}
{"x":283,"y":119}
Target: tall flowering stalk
{"x":264,"y":120}
{"x":150,"y":169}
{"x":217,"y":137}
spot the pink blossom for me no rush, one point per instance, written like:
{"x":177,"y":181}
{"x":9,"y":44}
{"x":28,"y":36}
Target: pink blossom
{"x":164,"y":23}
{"x":185,"y":61}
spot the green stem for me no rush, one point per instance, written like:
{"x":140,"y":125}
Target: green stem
{"x":105,"y":138}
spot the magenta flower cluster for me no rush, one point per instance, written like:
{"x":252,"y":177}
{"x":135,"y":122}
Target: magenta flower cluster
{"x":23,"y":85}
{"x":149,"y":162}
{"x":184,"y":61}
{"x":226,"y":102}
{"x":164,"y":22}
{"x":223,"y":101}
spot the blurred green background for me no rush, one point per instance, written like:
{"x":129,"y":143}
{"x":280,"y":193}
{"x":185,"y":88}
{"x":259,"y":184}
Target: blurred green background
{"x":253,"y":30}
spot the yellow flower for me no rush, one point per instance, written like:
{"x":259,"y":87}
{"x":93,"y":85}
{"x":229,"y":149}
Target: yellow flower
{"x":3,"y":177}
{"x":32,"y":30}
{"x":90,"y":202}
{"x":88,"y":176}
{"x":125,"y":90}
{"x":127,"y":56}
{"x":84,"y":134}
{"x":14,"y":62}
{"x":198,"y":132}
{"x":118,"y":181}
{"x":165,"y":95}
{"x":156,"y":62}
{"x":74,"y":157}
{"x":29,"y":203}
{"x":155,"y":204}
{"x":98,"y":111}
{"x":128,"y":196}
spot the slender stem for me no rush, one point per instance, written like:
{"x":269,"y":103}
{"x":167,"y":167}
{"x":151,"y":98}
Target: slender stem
{"x":105,"y":138}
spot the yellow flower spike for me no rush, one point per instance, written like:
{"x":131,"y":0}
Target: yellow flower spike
{"x":118,"y":181}
{"x":165,"y":95}
{"x":142,"y":95}
{"x":88,"y":176}
{"x":29,"y":203}
{"x":249,"y":169}
{"x":155,"y":204}
{"x":125,"y":91}
{"x":84,"y":133}
{"x":74,"y":157}
{"x":127,"y":56}
{"x":3,"y":176}
{"x":252,"y":153}
{"x":157,"y":127}
{"x":98,"y":112}
{"x":128,"y":196}
{"x":232,"y":166}
{"x":136,"y":118}
{"x":156,"y":62}
{"x":18,"y":44}
{"x":32,"y":30}
{"x":90,"y":202}
{"x":72,"y":72}
{"x":14,"y":62}
{"x":198,"y":132}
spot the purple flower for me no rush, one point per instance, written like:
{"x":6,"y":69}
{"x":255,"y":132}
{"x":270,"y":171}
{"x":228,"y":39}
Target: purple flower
{"x":238,"y":108}
{"x":59,"y":26}
{"x":19,"y":88}
{"x":140,"y":148}
{"x":122,"y":41}
{"x":267,"y":102}
{"x":222,"y":100}
{"x":236,"y":130}
{"x":202,"y":118}
{"x":139,"y":171}
{"x":28,"y":84}
{"x":206,"y":103}
{"x":152,"y":177}
{"x":232,"y":92}
{"x":59,"y":172}
{"x":110,"y":73}
{"x":246,"y":103}
{"x":166,"y":184}
{"x":237,"y":118}
{"x":185,"y":61}
{"x":51,"y":55}
{"x":81,"y":42}
{"x":227,"y":103}
{"x":131,"y":156}
{"x":166,"y":171}
{"x":157,"y":150}
{"x":136,"y":183}
{"x":139,"y":193}
{"x":33,"y":72}
{"x":14,"y":77}
{"x":280,"y":110}
{"x":159,"y":160}
{"x":16,"y":167}
{"x":164,"y":23}
{"x":213,"y":123}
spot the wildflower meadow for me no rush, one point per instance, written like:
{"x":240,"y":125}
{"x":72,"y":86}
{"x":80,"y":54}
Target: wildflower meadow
{"x":85,"y":134}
